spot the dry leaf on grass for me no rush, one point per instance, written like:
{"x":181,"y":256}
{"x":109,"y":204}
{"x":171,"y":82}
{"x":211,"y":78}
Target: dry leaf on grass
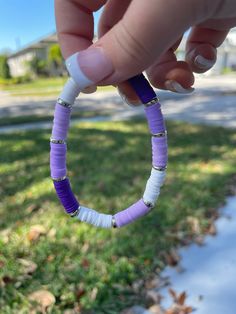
{"x":35,"y":232}
{"x":28,"y":267}
{"x":44,"y":298}
{"x":178,"y":306}
{"x":172,"y":258}
{"x":212,"y":229}
{"x":156,"y":309}
{"x":194,"y":224}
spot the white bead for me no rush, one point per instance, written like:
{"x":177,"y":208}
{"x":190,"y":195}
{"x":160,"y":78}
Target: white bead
{"x":70,"y":91}
{"x":76,"y":73}
{"x":94,"y":218}
{"x":153,"y":186}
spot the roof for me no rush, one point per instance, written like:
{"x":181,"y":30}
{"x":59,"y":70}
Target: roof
{"x":40,"y":43}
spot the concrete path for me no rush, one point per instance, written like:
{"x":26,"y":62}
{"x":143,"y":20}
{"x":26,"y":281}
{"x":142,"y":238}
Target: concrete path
{"x":213,"y":103}
{"x":209,"y":271}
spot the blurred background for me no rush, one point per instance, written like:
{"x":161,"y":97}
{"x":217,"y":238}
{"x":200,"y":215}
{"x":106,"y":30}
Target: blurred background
{"x":50,"y":263}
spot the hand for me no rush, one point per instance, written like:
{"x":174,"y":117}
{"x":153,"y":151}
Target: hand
{"x":137,"y":35}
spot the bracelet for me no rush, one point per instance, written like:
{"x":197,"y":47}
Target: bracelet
{"x":58,"y":152}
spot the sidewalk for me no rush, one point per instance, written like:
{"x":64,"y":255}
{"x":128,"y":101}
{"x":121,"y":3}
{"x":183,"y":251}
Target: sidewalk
{"x":213,"y":103}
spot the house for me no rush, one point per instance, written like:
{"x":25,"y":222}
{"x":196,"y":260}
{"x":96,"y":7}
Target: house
{"x":18,"y":60}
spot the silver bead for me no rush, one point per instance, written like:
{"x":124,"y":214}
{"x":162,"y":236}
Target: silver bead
{"x":75,"y":213}
{"x":161,"y":134}
{"x":113,"y":222}
{"x":151,"y":102}
{"x":159,"y":168}
{"x":64,"y":103}
{"x":54,"y":141}
{"x":59,"y":179}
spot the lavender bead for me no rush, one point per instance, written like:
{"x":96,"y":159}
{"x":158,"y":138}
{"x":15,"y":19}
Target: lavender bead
{"x":159,"y":151}
{"x":66,"y":195}
{"x":142,"y":88}
{"x":58,"y":160}
{"x":130,"y":214}
{"x":155,"y":118}
{"x":61,"y":122}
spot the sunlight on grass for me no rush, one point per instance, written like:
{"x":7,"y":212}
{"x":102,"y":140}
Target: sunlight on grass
{"x":108,"y":164}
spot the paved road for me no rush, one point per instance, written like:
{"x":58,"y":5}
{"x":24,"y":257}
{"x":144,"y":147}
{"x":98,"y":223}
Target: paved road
{"x":213,"y":102}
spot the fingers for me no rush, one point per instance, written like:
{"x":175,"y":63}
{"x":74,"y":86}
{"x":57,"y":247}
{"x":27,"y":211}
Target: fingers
{"x":201,"y":52}
{"x":75,"y":26}
{"x":112,"y":13}
{"x":133,"y":44}
{"x":168,"y":73}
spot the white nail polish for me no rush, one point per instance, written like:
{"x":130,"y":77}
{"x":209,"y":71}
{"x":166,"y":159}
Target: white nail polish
{"x":203,"y":63}
{"x":73,"y":68}
{"x":177,"y":88}
{"x":126,"y":101}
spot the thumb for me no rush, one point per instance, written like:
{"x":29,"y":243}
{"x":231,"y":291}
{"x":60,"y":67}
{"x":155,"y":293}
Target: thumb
{"x":147,"y":29}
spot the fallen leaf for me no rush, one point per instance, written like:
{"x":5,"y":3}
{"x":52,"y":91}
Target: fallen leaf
{"x":172,"y":258}
{"x":194,"y":224}
{"x":35,"y":232}
{"x":43,"y":297}
{"x":173,"y":294}
{"x":181,"y":298}
{"x":94,"y":293}
{"x":212,"y":229}
{"x":153,"y":296}
{"x":156,"y":309}
{"x":28,"y":266}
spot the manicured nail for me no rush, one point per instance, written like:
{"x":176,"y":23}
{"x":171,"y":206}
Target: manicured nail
{"x":203,"y":63}
{"x":128,"y":101}
{"x":89,"y":66}
{"x":177,"y":88}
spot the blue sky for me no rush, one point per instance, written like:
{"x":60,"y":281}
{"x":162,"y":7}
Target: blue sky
{"x":23,"y":21}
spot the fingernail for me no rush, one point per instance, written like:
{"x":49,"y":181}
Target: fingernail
{"x":177,"y":88}
{"x":203,"y":63}
{"x":89,"y":66}
{"x":128,"y":101}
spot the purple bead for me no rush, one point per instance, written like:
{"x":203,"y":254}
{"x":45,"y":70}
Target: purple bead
{"x":58,"y":160}
{"x":61,"y":122}
{"x":66,"y":195}
{"x":159,"y":151}
{"x":130,"y":214}
{"x":155,"y":118}
{"x":142,"y":88}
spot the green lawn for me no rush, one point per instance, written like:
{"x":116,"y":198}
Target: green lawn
{"x":40,"y":87}
{"x":93,"y":269}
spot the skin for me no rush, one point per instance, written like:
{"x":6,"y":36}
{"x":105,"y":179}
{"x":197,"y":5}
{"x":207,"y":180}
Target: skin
{"x":142,"y":35}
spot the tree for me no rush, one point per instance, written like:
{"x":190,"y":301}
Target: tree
{"x":38,"y":67}
{"x":55,"y":56}
{"x":4,"y":67}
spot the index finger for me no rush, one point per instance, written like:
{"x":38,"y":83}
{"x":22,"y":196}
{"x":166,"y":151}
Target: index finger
{"x":75,"y":24}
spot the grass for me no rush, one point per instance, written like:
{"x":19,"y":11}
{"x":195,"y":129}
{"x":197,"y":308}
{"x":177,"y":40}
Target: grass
{"x":41,"y":87}
{"x":9,"y":121}
{"x":108,"y":165}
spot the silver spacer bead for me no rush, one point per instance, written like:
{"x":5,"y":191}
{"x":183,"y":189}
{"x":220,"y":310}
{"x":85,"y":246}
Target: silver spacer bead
{"x":54,"y":141}
{"x":59,"y":179}
{"x":159,"y":168}
{"x":113,"y":222}
{"x":64,"y":103}
{"x":75,"y":213}
{"x":161,"y":134}
{"x":149,"y":204}
{"x":151,"y":102}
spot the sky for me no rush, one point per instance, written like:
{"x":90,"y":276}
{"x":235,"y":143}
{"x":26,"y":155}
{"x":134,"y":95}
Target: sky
{"x":24,"y":21}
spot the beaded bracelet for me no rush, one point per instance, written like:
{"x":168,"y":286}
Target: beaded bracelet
{"x":58,"y":155}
